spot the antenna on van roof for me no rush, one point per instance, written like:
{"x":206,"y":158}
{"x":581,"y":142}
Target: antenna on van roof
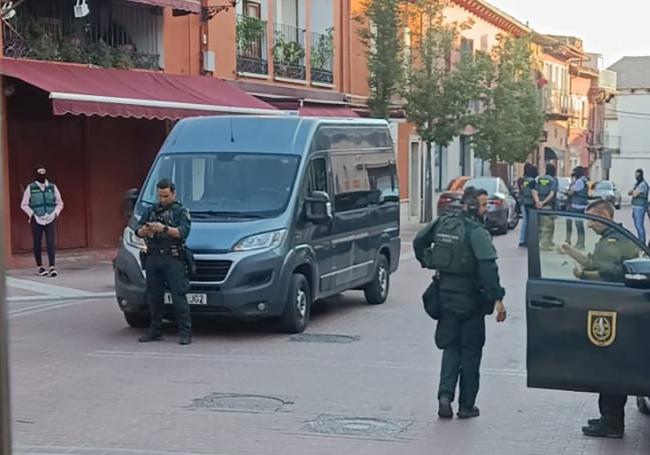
{"x":232,"y":133}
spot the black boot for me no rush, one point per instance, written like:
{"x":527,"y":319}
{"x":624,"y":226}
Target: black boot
{"x":150,"y":337}
{"x":184,"y":340}
{"x":598,"y":429}
{"x":444,"y":408}
{"x":468,"y":413}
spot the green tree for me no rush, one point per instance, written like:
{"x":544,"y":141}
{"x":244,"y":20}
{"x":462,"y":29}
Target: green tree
{"x":438,"y":91}
{"x":380,"y":30}
{"x":512,"y":121}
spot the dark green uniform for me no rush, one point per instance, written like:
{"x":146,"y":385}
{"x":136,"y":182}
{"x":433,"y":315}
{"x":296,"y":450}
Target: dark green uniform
{"x":460,"y":248}
{"x":612,"y":249}
{"x":545,"y":186}
{"x":166,"y":266}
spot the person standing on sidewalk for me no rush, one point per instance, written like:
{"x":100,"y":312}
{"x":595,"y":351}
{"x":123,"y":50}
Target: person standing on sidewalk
{"x":43,"y":204}
{"x":165,"y":227}
{"x":527,"y":200}
{"x":459,"y":248}
{"x":640,"y":204}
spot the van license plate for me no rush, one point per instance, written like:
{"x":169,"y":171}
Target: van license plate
{"x":192,"y":299}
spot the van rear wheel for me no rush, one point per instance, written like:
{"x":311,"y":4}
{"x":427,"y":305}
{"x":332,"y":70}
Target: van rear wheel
{"x":295,"y":316}
{"x":376,"y":291}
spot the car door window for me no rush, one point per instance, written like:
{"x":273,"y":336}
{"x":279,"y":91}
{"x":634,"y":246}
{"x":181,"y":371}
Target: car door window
{"x":564,"y":255}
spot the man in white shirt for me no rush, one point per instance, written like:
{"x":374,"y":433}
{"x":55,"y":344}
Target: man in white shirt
{"x":43,"y":204}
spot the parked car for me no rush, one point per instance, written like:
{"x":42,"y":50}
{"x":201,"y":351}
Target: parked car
{"x":502,"y":207}
{"x":301,"y":210}
{"x":563,"y":187}
{"x":449,"y":201}
{"x":606,"y":189}
{"x":502,"y":210}
{"x":587,"y":335}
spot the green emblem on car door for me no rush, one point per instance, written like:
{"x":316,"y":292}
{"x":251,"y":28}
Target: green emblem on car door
{"x":601,"y":328}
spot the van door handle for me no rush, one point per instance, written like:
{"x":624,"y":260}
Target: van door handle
{"x":546,"y":302}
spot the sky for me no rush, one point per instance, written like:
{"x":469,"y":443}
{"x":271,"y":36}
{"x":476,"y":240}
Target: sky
{"x":614,"y":28}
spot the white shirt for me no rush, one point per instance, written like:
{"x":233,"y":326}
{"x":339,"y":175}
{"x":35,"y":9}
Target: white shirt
{"x":47,"y":218}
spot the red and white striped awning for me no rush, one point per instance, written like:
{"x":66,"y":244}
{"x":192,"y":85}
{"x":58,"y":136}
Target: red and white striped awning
{"x":192,"y":6}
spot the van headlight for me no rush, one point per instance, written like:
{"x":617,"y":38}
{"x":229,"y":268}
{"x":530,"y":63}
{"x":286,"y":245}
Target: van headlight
{"x":131,"y":239}
{"x":266,"y":240}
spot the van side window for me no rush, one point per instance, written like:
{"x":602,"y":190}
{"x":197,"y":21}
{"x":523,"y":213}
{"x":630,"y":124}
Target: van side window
{"x":317,"y":177}
{"x":383,"y":181}
{"x":351,"y":181}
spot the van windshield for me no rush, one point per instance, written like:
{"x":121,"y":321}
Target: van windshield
{"x":232,"y":184}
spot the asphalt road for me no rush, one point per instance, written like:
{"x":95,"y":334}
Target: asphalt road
{"x":361,"y":380}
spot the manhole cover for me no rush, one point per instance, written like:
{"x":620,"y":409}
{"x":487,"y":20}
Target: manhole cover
{"x":358,"y":426}
{"x":324,"y":338}
{"x":238,"y":402}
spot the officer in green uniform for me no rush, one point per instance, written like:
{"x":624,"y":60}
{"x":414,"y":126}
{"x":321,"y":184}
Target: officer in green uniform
{"x":604,"y":264}
{"x":544,"y":195}
{"x":527,"y":200}
{"x":459,"y":248}
{"x":165,"y":228}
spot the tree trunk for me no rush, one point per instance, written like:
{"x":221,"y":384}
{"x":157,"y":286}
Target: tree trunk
{"x":428,"y":186}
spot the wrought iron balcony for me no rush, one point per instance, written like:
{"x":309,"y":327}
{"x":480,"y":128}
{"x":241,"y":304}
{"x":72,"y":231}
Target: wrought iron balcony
{"x":252,"y":45}
{"x":556,"y":102}
{"x":289,"y":52}
{"x":322,"y":57}
{"x":128,"y":37}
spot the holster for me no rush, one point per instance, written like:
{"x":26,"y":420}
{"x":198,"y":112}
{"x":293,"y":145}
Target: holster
{"x":143,"y":259}
{"x":190,"y":263}
{"x":431,"y":298}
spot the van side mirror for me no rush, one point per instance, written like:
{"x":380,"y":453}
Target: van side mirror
{"x":130,"y":197}
{"x":637,"y":273}
{"x":318,"y":207}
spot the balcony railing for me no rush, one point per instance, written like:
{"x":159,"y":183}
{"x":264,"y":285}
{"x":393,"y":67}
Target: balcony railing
{"x":322,"y":57}
{"x":252,"y":45}
{"x":289,"y":52}
{"x":129,"y":37}
{"x":608,"y":80}
{"x":556,"y":102}
{"x":612,"y":142}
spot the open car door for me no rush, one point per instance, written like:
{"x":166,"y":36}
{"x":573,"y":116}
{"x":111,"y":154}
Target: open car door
{"x":586,"y":335}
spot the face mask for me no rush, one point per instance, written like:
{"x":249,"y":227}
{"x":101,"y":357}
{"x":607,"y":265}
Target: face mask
{"x":639,"y":178}
{"x":41,"y":178}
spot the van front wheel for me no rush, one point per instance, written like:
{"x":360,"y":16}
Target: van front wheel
{"x":295,"y":316}
{"x":376,"y":291}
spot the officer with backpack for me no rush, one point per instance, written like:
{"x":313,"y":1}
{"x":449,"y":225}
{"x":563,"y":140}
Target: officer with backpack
{"x":458,"y":247}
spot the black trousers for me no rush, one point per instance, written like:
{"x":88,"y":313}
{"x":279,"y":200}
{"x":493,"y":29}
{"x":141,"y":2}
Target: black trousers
{"x":612,"y":410}
{"x":37,"y":233}
{"x":462,"y":340}
{"x":167,"y":272}
{"x":580,"y":226}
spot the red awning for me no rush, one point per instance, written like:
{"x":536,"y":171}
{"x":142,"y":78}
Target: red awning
{"x":327,"y":110}
{"x":193,"y":6}
{"x":80,"y":90}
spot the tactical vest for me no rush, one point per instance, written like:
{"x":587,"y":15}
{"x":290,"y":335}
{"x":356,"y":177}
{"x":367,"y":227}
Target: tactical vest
{"x":545,"y":186}
{"x":527,"y":191}
{"x":581,"y":198}
{"x":642,"y":199}
{"x":42,"y":202}
{"x":164,"y":215}
{"x":450,"y":251}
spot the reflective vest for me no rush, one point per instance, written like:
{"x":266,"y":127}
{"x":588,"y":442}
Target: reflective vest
{"x":42,"y":202}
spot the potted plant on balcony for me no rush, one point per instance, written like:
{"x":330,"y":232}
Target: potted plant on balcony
{"x":321,"y":54}
{"x":250,"y":31}
{"x":288,"y":56}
